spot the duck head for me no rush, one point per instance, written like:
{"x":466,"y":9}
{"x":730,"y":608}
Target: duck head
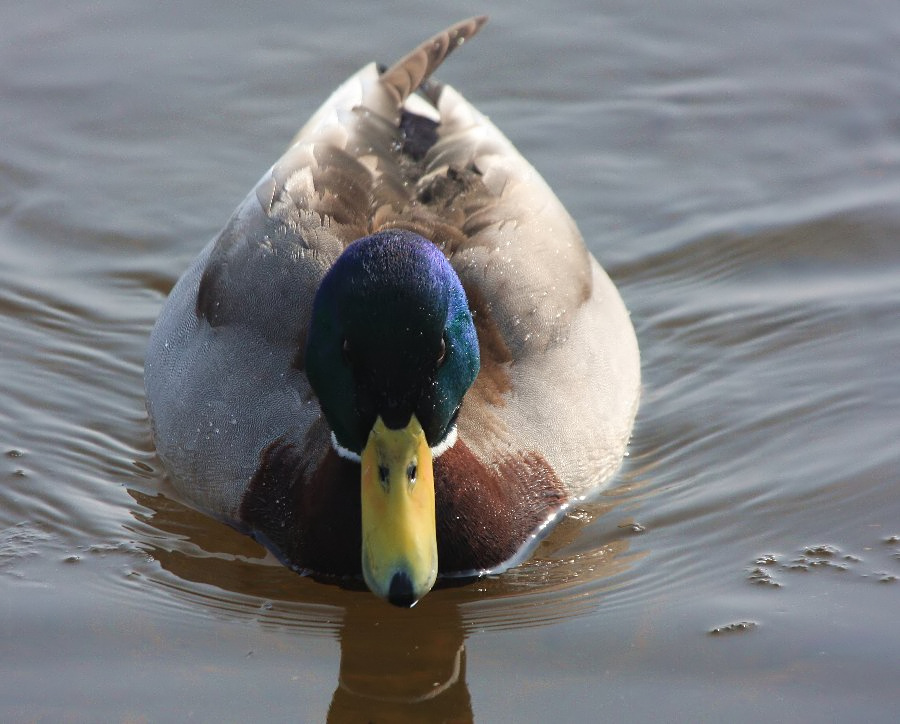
{"x":391,"y":351}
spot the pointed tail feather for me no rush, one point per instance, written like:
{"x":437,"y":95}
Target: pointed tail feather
{"x":408,"y":73}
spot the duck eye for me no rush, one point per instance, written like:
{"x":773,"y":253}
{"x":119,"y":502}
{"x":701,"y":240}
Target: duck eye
{"x":442,"y":355}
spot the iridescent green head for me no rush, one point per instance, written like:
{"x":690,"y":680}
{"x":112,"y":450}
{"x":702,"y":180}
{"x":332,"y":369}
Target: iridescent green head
{"x":391,"y":336}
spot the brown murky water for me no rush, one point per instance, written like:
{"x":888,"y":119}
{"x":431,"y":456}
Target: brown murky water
{"x":736,"y":169}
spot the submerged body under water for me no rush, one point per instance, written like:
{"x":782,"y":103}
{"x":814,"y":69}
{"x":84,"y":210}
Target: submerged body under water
{"x":736,"y":170}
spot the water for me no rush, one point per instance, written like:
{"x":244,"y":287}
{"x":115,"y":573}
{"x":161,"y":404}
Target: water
{"x":736,"y":169}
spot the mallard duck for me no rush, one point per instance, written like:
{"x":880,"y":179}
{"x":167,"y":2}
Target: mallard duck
{"x":397,"y":359}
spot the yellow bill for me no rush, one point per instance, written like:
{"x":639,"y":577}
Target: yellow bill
{"x":399,"y":538}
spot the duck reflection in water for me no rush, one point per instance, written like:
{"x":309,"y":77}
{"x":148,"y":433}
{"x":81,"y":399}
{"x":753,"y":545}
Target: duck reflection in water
{"x":396,"y":664}
{"x":402,"y":666}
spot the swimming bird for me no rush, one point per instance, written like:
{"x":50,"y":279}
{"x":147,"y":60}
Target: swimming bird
{"x":397,"y":360}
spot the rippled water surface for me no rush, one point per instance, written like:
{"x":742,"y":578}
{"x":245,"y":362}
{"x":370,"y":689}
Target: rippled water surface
{"x":736,"y":169}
